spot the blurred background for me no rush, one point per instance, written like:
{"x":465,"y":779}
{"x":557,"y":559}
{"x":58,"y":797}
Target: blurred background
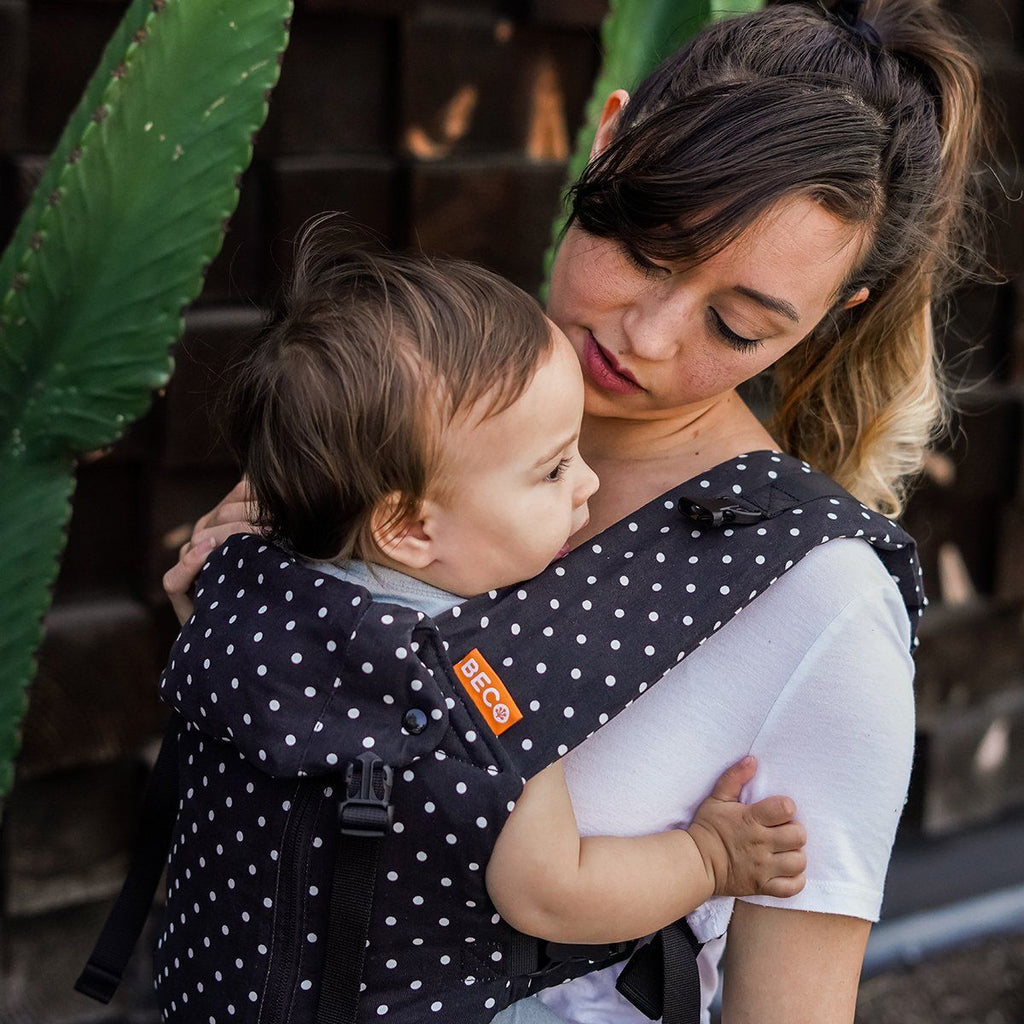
{"x":446,"y":125}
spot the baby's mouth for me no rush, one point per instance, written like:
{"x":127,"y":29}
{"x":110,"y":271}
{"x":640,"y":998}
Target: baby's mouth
{"x":567,"y":546}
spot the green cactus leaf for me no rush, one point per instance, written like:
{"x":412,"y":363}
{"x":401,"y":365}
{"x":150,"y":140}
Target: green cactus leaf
{"x":128,"y":214}
{"x":635,"y":36}
{"x":28,"y":562}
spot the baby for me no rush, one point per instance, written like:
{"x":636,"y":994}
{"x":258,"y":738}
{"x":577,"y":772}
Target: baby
{"x":412,"y":426}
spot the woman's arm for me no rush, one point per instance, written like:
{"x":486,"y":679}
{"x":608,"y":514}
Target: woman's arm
{"x":547,"y":881}
{"x":840,"y":738}
{"x":791,"y":966}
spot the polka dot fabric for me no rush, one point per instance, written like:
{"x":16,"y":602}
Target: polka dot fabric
{"x":283,"y":676}
{"x":610,"y":619}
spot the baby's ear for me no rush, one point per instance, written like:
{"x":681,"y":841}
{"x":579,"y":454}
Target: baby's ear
{"x":399,"y":536}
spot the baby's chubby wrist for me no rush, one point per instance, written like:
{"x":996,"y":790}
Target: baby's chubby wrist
{"x":714,"y":857}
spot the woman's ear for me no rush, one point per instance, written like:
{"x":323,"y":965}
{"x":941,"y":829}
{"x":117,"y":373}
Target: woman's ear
{"x":613,"y":107}
{"x":859,"y":296}
{"x":405,"y":540}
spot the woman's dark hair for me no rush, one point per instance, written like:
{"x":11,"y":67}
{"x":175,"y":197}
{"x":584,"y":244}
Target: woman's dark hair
{"x":791,"y":101}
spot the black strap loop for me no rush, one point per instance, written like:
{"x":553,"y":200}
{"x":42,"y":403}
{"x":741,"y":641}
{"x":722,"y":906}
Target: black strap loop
{"x":104,"y":972}
{"x":661,"y":979}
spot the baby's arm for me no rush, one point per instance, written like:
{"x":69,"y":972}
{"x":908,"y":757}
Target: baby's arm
{"x":547,"y":881}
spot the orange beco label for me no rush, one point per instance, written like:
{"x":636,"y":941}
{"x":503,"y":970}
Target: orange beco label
{"x":489,"y":695}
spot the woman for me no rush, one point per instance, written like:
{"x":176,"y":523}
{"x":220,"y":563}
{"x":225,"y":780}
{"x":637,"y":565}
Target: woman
{"x":786,"y":192}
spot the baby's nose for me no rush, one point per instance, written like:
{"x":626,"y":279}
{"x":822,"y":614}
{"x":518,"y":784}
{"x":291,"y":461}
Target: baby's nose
{"x":587,"y":485}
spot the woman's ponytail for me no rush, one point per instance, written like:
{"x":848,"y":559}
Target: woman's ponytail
{"x":865,"y":396}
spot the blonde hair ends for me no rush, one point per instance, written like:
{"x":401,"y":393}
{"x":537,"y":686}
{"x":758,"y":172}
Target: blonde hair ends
{"x":867,"y":410}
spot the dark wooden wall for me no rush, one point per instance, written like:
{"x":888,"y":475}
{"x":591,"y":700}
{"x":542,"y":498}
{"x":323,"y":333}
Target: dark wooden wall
{"x":442,"y":124}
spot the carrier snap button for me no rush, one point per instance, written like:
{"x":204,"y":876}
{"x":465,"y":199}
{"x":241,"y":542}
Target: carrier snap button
{"x":415,"y":721}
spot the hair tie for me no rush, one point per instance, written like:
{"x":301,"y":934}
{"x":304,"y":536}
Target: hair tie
{"x":849,"y":13}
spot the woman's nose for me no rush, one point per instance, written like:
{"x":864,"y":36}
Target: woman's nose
{"x":655,"y":322}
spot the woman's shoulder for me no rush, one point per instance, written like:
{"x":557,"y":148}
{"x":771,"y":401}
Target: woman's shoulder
{"x":840,"y":576}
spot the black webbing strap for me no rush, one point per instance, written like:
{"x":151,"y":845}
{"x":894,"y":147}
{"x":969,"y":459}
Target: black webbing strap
{"x":661,"y":979}
{"x":104,"y":971}
{"x":365,"y":819}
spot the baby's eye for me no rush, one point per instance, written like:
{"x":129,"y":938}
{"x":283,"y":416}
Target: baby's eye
{"x":558,"y":472}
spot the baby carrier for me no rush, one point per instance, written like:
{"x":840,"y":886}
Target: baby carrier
{"x":338,"y":769}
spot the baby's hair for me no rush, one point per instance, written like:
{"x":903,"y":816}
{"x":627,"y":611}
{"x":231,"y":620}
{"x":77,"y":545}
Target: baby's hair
{"x":339,"y":408}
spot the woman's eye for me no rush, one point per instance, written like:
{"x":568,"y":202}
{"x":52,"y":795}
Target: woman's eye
{"x":726,"y":332}
{"x":642,"y":264}
{"x":558,"y":472}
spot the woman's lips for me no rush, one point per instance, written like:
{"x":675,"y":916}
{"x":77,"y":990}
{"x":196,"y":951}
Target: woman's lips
{"x":605,"y":372}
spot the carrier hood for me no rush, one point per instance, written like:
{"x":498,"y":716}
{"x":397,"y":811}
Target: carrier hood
{"x":301,"y":671}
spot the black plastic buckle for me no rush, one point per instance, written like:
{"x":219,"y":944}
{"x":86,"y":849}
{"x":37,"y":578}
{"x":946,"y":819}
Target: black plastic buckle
{"x":718,"y":511}
{"x":560,"y":952}
{"x":366,"y":811}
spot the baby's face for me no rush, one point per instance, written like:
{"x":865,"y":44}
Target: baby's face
{"x":516,"y":485}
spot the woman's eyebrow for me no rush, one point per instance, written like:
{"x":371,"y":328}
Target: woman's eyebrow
{"x":787,"y":309}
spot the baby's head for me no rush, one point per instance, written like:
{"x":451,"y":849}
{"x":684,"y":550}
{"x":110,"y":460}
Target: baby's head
{"x":418,"y":413}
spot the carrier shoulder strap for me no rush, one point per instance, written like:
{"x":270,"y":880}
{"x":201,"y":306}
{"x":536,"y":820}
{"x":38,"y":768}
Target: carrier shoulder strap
{"x":364,"y":819}
{"x":104,"y":971}
{"x":550,"y":661}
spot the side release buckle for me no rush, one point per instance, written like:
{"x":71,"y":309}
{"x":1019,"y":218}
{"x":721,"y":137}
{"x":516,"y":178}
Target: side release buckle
{"x":718,"y":511}
{"x":560,"y":952}
{"x":366,"y":810}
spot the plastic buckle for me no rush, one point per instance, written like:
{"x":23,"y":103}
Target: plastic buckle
{"x":718,"y":511}
{"x":562,"y":952}
{"x":559,"y":951}
{"x":367,"y":811}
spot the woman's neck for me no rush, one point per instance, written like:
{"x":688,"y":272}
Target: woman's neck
{"x":639,"y":459}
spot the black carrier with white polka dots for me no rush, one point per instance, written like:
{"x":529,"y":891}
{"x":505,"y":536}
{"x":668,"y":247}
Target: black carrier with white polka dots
{"x":287,"y":680}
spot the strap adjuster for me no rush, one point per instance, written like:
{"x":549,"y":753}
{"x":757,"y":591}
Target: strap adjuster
{"x":718,"y":511}
{"x":98,"y":982}
{"x":366,"y":810}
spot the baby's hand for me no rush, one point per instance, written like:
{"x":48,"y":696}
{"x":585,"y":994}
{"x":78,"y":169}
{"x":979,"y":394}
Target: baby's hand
{"x":749,"y":849}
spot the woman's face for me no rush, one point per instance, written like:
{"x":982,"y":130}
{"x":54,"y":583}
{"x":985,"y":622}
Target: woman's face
{"x":652,"y":340}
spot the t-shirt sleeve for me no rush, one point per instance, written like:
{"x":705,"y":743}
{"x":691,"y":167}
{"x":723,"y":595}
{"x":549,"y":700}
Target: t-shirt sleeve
{"x":839,"y":739}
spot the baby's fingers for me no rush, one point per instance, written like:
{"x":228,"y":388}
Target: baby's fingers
{"x":773,"y":810}
{"x":784,"y":887}
{"x":789,"y":864}
{"x":791,"y":836}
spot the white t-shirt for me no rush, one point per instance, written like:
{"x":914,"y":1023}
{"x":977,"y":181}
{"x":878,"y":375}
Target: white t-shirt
{"x":813,"y":678}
